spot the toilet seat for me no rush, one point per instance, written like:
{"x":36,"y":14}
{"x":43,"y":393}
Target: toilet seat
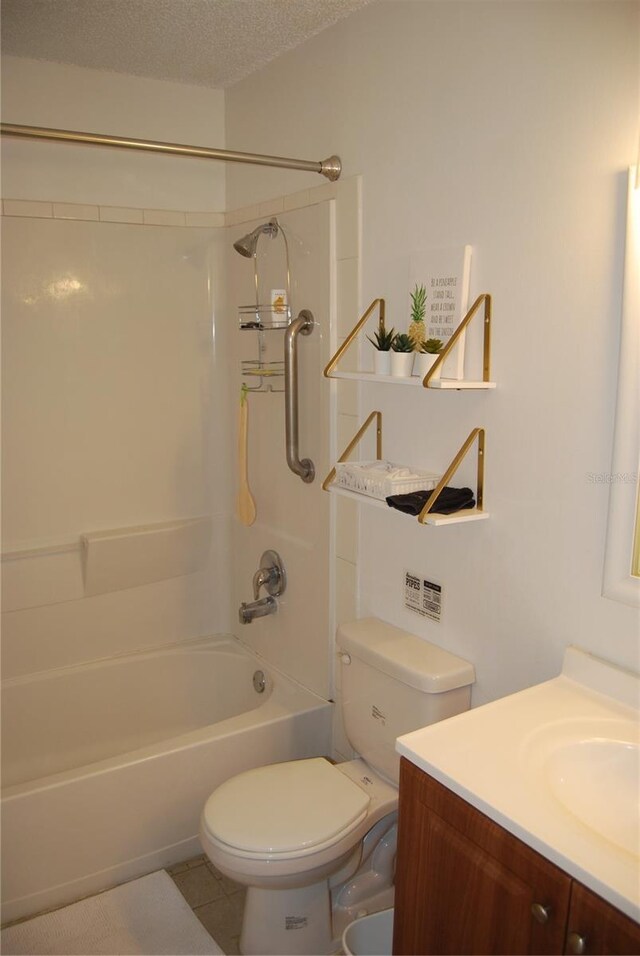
{"x":284,"y":811}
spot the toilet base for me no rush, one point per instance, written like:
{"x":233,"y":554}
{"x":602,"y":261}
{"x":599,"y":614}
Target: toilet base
{"x":371,"y":888}
{"x":287,"y":922}
{"x":311,"y":919}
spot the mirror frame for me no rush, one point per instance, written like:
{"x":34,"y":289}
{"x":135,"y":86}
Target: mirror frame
{"x":619,"y":583}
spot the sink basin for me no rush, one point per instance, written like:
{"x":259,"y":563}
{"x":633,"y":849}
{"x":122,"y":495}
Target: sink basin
{"x":597,"y":780}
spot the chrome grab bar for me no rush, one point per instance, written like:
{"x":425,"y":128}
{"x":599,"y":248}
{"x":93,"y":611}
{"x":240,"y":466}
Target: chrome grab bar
{"x":300,"y":326}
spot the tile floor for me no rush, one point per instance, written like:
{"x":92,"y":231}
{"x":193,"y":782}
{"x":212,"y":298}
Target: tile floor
{"x":216,"y":900}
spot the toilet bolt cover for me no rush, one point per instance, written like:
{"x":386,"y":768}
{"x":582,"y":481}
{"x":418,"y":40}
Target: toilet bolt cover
{"x":285,"y":807}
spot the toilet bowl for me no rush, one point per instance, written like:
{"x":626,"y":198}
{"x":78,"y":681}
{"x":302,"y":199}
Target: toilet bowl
{"x":307,"y":819}
{"x":307,"y":824}
{"x":313,"y":841}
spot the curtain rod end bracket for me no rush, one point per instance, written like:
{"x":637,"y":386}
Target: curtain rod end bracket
{"x":331,"y":168}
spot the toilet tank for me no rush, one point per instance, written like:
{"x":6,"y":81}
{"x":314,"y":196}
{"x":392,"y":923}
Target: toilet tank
{"x":394,"y":682}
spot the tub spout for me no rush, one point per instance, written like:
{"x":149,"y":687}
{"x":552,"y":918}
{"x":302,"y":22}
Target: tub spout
{"x":248,"y":612}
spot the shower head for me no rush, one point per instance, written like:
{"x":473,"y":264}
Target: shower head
{"x":248,"y":244}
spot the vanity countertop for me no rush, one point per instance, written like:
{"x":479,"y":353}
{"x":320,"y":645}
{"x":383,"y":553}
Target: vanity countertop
{"x":556,"y":765}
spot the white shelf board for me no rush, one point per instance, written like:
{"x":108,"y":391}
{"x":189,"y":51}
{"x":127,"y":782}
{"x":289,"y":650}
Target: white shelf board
{"x":363,"y":499}
{"x":451,"y":383}
{"x":469,"y":514}
{"x":414,"y":380}
{"x":371,"y":377}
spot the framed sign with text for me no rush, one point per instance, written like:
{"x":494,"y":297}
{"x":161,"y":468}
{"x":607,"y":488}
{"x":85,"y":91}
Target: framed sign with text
{"x":445,"y":274}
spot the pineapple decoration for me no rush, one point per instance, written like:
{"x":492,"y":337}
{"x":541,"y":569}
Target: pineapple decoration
{"x":417,"y":332}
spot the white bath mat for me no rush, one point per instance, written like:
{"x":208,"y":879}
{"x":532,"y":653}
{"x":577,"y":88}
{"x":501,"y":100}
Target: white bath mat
{"x":147,"y":916}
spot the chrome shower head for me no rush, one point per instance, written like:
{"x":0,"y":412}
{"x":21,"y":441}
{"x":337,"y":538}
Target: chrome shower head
{"x":248,"y":244}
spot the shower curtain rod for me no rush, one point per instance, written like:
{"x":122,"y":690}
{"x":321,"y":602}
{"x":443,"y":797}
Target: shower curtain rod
{"x":331,"y":167}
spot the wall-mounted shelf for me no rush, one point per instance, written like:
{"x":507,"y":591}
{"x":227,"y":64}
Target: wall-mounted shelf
{"x":431,"y":379}
{"x":469,"y":514}
{"x":415,"y":381}
{"x":426,"y":516}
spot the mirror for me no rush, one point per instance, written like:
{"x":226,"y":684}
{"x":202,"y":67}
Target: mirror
{"x":622,"y":556}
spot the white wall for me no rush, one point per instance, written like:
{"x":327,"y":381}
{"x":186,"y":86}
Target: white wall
{"x":509,"y":127}
{"x":38,"y":93}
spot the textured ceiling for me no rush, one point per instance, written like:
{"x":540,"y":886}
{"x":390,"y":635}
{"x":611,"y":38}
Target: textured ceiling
{"x":206,"y":42}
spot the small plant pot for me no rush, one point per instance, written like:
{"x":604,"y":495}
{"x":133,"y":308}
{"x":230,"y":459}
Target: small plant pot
{"x":401,"y":364}
{"x":423,"y":362}
{"x":382,"y":362}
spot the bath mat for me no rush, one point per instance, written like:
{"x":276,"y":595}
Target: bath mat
{"x":147,"y":916}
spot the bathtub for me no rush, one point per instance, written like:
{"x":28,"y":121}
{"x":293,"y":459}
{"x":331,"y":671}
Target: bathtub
{"x":107,"y":765}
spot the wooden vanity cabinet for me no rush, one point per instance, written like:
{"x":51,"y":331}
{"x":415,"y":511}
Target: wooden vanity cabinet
{"x":596,"y":927}
{"x":466,"y":885}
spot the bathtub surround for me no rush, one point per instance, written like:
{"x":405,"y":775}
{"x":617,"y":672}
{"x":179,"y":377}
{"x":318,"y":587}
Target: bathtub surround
{"x":94,"y":324}
{"x":292,"y":515}
{"x":54,"y":623}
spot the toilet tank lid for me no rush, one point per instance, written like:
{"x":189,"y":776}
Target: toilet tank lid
{"x":404,"y":656}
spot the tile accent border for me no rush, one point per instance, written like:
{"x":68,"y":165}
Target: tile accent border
{"x":87,"y":212}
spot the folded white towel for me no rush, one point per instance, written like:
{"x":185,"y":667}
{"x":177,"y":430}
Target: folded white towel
{"x":379,"y":479}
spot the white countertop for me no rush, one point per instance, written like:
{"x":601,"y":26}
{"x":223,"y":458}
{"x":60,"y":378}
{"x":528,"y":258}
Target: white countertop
{"x":524,"y":762}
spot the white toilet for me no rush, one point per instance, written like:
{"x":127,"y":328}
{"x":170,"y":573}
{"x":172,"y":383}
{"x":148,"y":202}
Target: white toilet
{"x":313,"y":841}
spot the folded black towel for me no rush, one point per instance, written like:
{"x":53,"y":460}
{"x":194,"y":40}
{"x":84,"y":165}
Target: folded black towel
{"x":448,"y":501}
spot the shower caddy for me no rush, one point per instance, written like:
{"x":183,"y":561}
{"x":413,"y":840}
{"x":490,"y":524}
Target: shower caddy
{"x":262,"y":318}
{"x":426,"y":516}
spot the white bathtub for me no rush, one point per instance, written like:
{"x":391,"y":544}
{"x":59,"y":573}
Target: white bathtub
{"x":106,"y":766}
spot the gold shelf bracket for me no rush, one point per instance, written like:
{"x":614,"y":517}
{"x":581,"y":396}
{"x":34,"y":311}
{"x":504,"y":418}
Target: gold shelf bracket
{"x":354,"y":332}
{"x":355,"y":441}
{"x":453,"y":467}
{"x":485,"y":298}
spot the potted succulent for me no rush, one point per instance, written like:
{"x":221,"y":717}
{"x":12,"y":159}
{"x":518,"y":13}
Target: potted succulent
{"x":427,"y":355}
{"x":401,"y":355}
{"x":382,"y":346}
{"x":417,"y":332}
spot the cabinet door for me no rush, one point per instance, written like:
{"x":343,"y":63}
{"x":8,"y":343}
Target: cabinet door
{"x":596,"y":927}
{"x":465,"y":885}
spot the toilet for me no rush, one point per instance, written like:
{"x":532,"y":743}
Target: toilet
{"x":314,"y":842}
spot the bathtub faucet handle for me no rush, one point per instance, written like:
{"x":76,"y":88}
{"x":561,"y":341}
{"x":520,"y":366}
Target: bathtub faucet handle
{"x":270,"y":575}
{"x":261,"y":578}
